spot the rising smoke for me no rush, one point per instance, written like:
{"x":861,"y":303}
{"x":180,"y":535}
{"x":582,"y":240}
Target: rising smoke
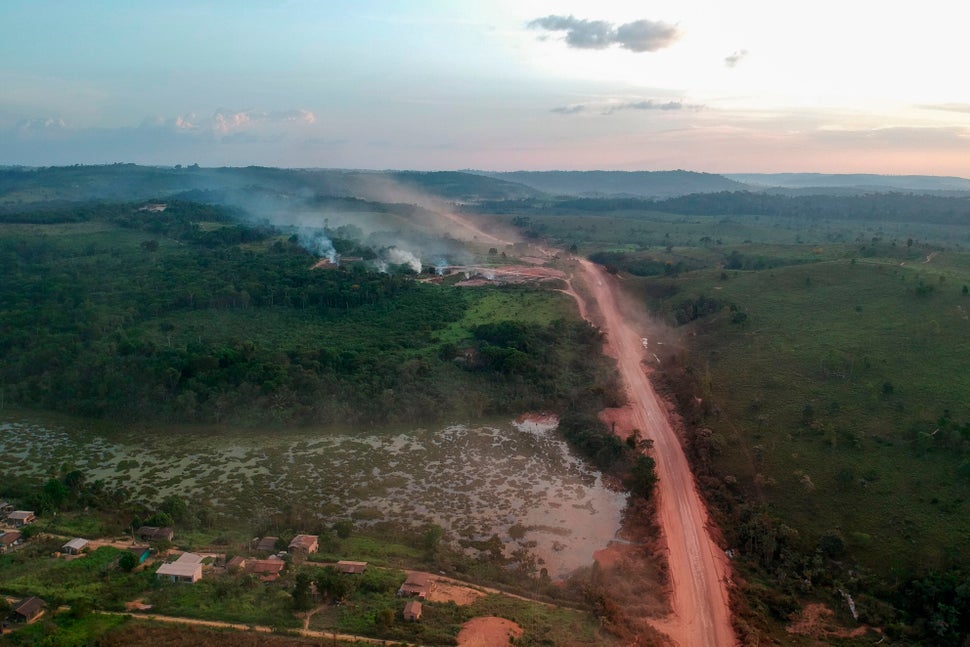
{"x":398,"y":224}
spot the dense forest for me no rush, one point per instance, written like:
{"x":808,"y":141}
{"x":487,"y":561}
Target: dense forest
{"x":883,"y":207}
{"x":188,"y":315}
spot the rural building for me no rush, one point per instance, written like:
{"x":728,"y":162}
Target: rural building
{"x":266,"y":569}
{"x":351,"y":568}
{"x":5,"y":508}
{"x":267,"y":544}
{"x":10,"y":540}
{"x":187,"y":569}
{"x":20,"y":518}
{"x":236,"y":564}
{"x":304,"y":544}
{"x":75,"y":547}
{"x":412,"y":611}
{"x":418,"y":585}
{"x":151,"y":533}
{"x":29,"y":610}
{"x":140,"y":552}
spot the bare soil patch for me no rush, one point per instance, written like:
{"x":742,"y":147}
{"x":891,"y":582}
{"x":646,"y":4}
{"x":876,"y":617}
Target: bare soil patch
{"x":446,"y":591}
{"x":817,"y":621}
{"x":488,"y":631}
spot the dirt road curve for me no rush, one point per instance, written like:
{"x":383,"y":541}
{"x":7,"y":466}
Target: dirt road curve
{"x":698,"y":567}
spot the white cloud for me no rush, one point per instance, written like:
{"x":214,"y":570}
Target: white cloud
{"x":637,"y":36}
{"x":735,"y":58}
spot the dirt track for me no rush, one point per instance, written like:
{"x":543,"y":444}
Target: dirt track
{"x":697,"y":566}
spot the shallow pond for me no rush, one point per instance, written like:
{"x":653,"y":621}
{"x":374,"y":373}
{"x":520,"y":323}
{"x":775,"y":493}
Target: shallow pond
{"x":506,"y":478}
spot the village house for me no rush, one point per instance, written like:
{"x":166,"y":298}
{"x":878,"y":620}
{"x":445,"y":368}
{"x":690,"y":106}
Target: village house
{"x":20,"y":518}
{"x":75,"y":547}
{"x":304,"y":544}
{"x":266,"y":569}
{"x":266,"y":545}
{"x":5,"y":508}
{"x":186,"y":569}
{"x":236,"y":564}
{"x":29,"y":610}
{"x":152,"y":533}
{"x":418,"y":585}
{"x":351,"y":568}
{"x":10,"y":540}
{"x":412,"y":611}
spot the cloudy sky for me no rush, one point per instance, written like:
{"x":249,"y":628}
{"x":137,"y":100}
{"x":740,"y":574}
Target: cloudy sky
{"x":742,"y":86}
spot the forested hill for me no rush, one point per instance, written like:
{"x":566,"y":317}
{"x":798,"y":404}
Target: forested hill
{"x":644,"y":184}
{"x":856,"y":182}
{"x":902,"y":207}
{"x":123,"y":182}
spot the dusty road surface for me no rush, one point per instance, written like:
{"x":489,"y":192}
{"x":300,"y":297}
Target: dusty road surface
{"x":698,"y":567}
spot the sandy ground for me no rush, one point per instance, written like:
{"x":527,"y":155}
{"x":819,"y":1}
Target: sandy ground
{"x":817,"y":621}
{"x":445,"y":591}
{"x":488,"y":631}
{"x":698,"y":568}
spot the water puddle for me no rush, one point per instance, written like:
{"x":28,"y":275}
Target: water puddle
{"x":518,"y":480}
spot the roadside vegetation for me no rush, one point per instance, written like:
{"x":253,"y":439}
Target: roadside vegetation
{"x":818,"y":373}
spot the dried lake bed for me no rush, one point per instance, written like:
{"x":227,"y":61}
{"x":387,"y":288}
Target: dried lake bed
{"x":504,"y":478}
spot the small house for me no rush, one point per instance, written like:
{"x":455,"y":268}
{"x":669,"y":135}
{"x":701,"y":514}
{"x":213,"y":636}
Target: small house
{"x":29,"y":610}
{"x":236,"y":564}
{"x":5,"y":508}
{"x":141,"y":553}
{"x":351,"y":568}
{"x":412,"y":611}
{"x":418,"y":585}
{"x":266,"y":569}
{"x":267,"y":545}
{"x":10,"y":540}
{"x":304,"y":544}
{"x":75,"y":547}
{"x":20,"y":518}
{"x":152,"y":533}
{"x":186,"y":569}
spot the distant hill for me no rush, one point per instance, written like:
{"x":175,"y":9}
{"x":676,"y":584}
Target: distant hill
{"x":458,"y":185}
{"x":133,"y":182}
{"x":852,"y":183}
{"x":640,"y":184}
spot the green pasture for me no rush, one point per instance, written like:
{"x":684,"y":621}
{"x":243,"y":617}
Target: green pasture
{"x":841,"y":393}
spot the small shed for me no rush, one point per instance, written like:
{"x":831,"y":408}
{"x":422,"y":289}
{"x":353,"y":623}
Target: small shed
{"x":351,"y":568}
{"x":305,"y":544}
{"x":75,"y":547}
{"x":29,"y":609}
{"x":412,"y":611}
{"x":186,"y":569}
{"x":10,"y":540}
{"x":418,"y":585}
{"x":140,"y":552}
{"x":153,"y":533}
{"x":20,"y":518}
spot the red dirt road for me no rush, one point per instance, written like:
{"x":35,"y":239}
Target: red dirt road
{"x":698,"y":568}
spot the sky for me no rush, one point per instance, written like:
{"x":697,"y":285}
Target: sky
{"x":857,"y":86}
